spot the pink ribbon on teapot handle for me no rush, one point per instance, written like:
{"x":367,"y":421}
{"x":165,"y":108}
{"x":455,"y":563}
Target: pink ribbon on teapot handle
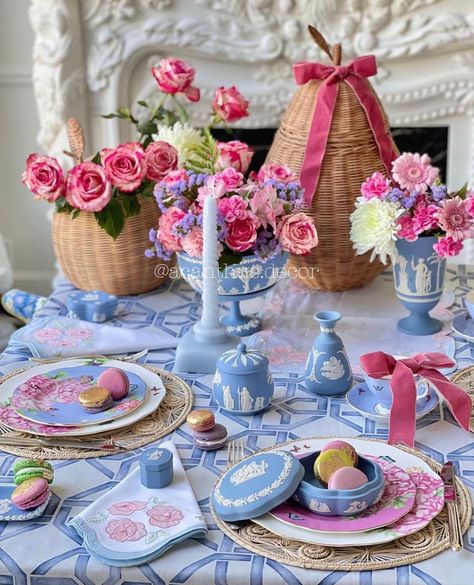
{"x":353,"y":74}
{"x":402,"y":384}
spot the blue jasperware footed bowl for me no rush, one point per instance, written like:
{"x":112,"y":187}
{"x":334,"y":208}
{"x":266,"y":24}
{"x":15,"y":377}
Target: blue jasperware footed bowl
{"x":312,"y":494}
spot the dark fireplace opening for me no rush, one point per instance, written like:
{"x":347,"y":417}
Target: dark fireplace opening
{"x":432,"y":140}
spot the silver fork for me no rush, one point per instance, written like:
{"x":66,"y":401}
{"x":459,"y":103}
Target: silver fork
{"x":235,"y":452}
{"x":124,"y":358}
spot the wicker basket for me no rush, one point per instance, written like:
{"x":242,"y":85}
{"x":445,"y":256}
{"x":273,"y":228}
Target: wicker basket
{"x":91,"y":259}
{"x":351,"y":156}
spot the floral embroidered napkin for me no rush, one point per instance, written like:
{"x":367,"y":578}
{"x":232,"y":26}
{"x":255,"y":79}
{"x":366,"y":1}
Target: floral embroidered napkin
{"x":132,"y":524}
{"x":63,"y":337}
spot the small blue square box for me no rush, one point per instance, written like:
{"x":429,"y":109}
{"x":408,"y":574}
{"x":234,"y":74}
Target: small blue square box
{"x":156,"y":468}
{"x":95,"y":306}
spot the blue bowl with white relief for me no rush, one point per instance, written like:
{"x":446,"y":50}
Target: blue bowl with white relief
{"x":243,"y":383}
{"x":95,"y":306}
{"x":250,"y":275}
{"x":315,"y":496}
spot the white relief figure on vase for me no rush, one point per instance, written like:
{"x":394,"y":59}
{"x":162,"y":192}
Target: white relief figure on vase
{"x":259,"y":403}
{"x":314,"y":355}
{"x":245,"y":398}
{"x":333,"y":369}
{"x":403,"y":275}
{"x":422,"y":276}
{"x":438,"y":260}
{"x":229,"y":403}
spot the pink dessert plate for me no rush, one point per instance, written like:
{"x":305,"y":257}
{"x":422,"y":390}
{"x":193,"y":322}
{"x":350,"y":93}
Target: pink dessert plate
{"x":397,"y":500}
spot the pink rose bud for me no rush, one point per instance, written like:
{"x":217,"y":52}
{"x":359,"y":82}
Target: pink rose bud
{"x":44,"y":177}
{"x":234,"y":154}
{"x":297,"y":234}
{"x":125,"y":165}
{"x":175,"y":76}
{"x":88,"y":188}
{"x":161,"y":158}
{"x":229,"y":104}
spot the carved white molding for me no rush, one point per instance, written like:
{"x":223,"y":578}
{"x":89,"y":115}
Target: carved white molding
{"x":91,"y":58}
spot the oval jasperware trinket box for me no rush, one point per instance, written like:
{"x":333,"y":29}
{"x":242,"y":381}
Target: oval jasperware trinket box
{"x":156,"y":468}
{"x":95,"y":306}
{"x":243,"y":383}
{"x":256,"y":485}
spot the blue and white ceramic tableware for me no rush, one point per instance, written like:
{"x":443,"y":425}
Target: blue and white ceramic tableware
{"x":243,"y":383}
{"x":469,"y":303}
{"x":328,"y":371}
{"x":156,"y":468}
{"x":419,"y":277}
{"x":95,"y":306}
{"x":10,"y":513}
{"x":312,"y":494}
{"x":256,"y":485}
{"x":463,"y":325}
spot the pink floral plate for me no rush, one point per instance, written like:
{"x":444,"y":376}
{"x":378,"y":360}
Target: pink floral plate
{"x":429,"y":499}
{"x":397,"y":500}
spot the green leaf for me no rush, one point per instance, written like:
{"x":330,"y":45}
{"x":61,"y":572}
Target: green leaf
{"x":131,"y":205}
{"x":75,"y":213}
{"x":109,"y":116}
{"x":147,"y":188}
{"x":124,"y":112}
{"x":111,"y":218}
{"x":228,"y":257}
{"x":60,"y":203}
{"x":203,"y":157}
{"x":148,"y":128}
{"x":462,"y":191}
{"x":96,"y":158}
{"x":143,"y":103}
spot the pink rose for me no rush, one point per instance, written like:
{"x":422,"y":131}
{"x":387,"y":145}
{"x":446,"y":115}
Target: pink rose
{"x":175,"y":177}
{"x":126,"y":508}
{"x":165,"y":229}
{"x":9,"y":417}
{"x":215,"y":187}
{"x":278,"y":172}
{"x":160,"y":158}
{"x":297,"y":234}
{"x":193,"y":243}
{"x":242,"y":233}
{"x":234,"y":154}
{"x":164,"y":516}
{"x":125,"y":530}
{"x":44,"y":177}
{"x":87,"y":187}
{"x":231,"y":178}
{"x":448,"y":246}
{"x":232,"y":208}
{"x":267,"y":206}
{"x":175,"y":76}
{"x":68,"y":390}
{"x":229,"y":104}
{"x":125,"y":165}
{"x":374,"y":186}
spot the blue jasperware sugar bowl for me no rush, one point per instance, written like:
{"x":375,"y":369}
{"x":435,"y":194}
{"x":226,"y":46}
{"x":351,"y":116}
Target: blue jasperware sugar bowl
{"x":243,"y":383}
{"x":312,"y":494}
{"x":95,"y":306}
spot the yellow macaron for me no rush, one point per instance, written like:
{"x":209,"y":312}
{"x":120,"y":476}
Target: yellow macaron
{"x":330,"y":461}
{"x":95,"y":399}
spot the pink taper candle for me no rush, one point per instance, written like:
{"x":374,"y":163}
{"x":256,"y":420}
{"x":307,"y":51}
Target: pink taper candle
{"x":210,"y":303}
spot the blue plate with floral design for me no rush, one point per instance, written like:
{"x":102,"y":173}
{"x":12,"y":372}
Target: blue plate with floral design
{"x":463,"y":325}
{"x":52,"y":397}
{"x":10,"y":513}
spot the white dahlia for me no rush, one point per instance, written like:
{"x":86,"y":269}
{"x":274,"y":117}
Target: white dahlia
{"x":374,"y":227}
{"x":183,"y":137}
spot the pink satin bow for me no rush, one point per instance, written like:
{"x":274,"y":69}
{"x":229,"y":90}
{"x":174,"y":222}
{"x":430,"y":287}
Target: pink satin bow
{"x":402,"y":384}
{"x":353,"y":74}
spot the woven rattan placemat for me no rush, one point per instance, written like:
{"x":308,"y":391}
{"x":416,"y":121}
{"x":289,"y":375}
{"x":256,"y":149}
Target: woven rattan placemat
{"x":414,"y":548}
{"x":465,"y":379}
{"x":170,"y":414}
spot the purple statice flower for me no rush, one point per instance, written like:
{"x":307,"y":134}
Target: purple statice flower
{"x":157,"y":249}
{"x":221,"y":227}
{"x":394,"y":195}
{"x":160,"y":196}
{"x":409,"y":201}
{"x":161,"y":252}
{"x":185,"y":225}
{"x":439,"y":192}
{"x":266,"y":245}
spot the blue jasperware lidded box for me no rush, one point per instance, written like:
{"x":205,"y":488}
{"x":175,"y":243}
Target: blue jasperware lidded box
{"x":243,"y":383}
{"x":156,"y":468}
{"x":256,"y":485}
{"x":95,"y":306}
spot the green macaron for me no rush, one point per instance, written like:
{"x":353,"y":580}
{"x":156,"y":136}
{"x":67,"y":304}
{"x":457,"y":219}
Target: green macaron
{"x":29,"y":468}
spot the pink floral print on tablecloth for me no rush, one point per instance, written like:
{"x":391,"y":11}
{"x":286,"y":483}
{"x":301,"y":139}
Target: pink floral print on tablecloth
{"x":126,"y":508}
{"x":125,"y":530}
{"x":164,"y":516}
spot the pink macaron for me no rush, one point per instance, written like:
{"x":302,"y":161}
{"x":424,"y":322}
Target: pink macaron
{"x":31,"y":493}
{"x":347,"y":478}
{"x":115,"y":381}
{"x":342,"y":446}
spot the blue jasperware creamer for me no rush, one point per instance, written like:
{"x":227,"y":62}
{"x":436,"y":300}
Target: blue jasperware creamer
{"x":243,"y":383}
{"x":156,"y":468}
{"x":95,"y":306}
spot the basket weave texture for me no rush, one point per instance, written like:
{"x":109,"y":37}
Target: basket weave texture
{"x":351,"y":156}
{"x":91,"y":259}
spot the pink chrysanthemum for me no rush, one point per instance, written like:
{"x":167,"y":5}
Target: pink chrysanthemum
{"x":470,"y":202}
{"x":414,"y":172}
{"x":448,"y":247}
{"x":455,"y":220}
{"x":374,"y":186}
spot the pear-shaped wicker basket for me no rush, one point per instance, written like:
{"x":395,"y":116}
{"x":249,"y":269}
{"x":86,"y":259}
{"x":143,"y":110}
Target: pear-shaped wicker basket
{"x":91,"y":259}
{"x":351,"y":155}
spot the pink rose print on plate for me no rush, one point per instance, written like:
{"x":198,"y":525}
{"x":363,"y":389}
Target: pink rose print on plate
{"x":126,"y":508}
{"x":164,"y":516}
{"x":125,"y":530}
{"x":127,"y":405}
{"x":17,"y":423}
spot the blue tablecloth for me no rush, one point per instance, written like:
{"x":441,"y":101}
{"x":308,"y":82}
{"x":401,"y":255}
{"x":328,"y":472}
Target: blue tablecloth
{"x":44,"y":551}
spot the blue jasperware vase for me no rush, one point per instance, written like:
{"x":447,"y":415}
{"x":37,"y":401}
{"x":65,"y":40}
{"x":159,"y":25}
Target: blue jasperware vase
{"x":418,"y":273}
{"x":328,"y":371}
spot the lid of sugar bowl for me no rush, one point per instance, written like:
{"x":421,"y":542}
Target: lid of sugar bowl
{"x":242,"y":361}
{"x":257,"y":484}
{"x":156,"y":459}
